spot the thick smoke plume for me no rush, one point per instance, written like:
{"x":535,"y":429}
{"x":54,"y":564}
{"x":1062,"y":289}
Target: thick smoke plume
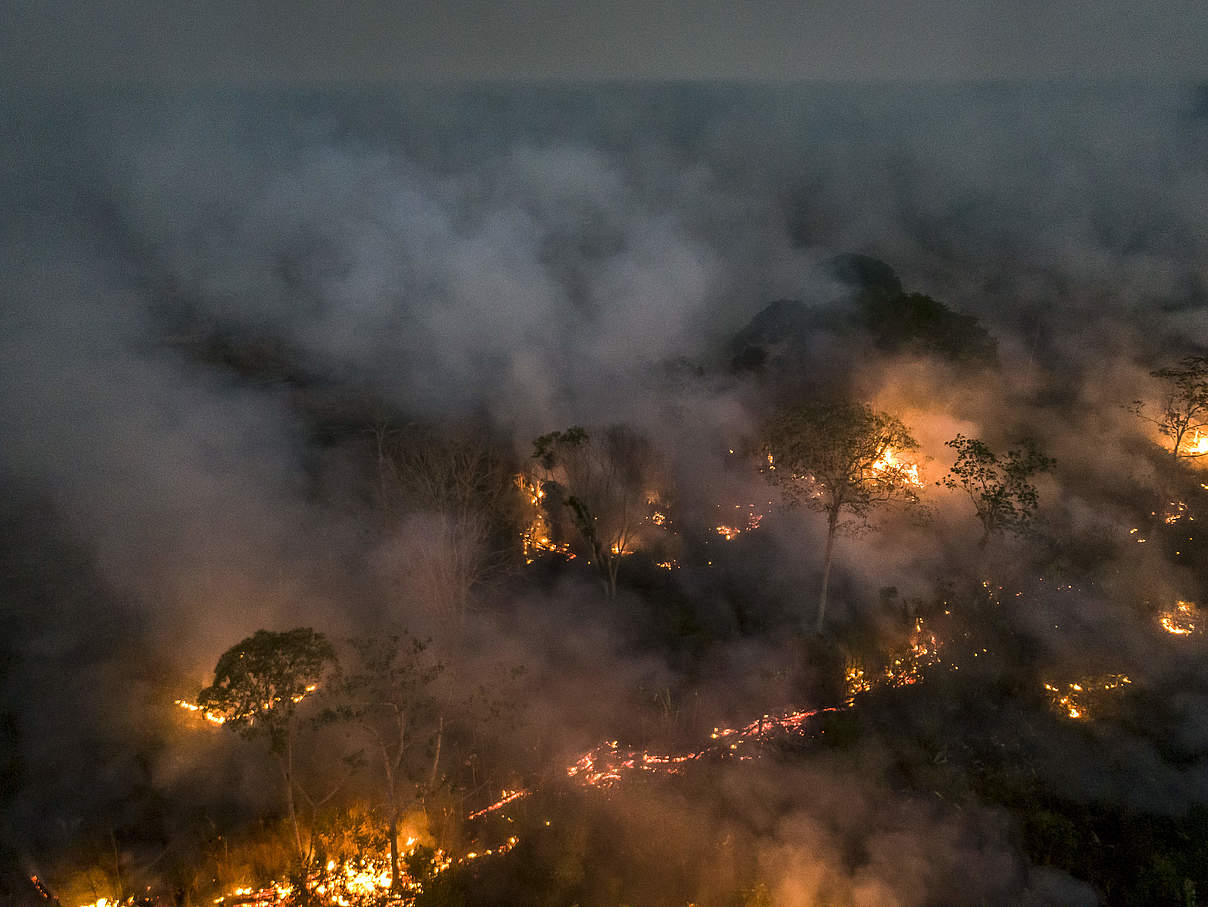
{"x":211,"y":301}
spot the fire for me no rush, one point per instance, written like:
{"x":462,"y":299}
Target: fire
{"x":753,"y":519}
{"x":507,"y":797}
{"x":890,"y":463}
{"x":535,"y":537}
{"x":362,"y":880}
{"x":1176,"y":511}
{"x":367,"y":879}
{"x":212,"y":717}
{"x":1072,"y":701}
{"x":218,"y":718}
{"x":904,"y":668}
{"x":1181,"y":620}
{"x":609,"y":763}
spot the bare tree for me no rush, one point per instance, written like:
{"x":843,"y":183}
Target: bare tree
{"x":454,"y":494}
{"x":605,"y":483}
{"x":389,"y":696}
{"x":838,"y":458}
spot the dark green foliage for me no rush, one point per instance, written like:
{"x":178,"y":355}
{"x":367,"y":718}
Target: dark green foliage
{"x":549,"y":449}
{"x":259,"y":681}
{"x":896,"y":321}
{"x":999,"y":487}
{"x":910,"y":322}
{"x":866,"y":274}
{"x":914,"y":322}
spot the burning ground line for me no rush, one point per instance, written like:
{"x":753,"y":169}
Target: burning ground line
{"x":607,"y":764}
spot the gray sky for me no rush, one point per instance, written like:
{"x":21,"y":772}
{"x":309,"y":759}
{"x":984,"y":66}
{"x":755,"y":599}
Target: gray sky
{"x":70,"y":41}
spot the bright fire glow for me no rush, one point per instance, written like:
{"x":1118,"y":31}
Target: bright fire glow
{"x":1181,"y":620}
{"x":535,"y":537}
{"x":892,"y":464}
{"x":212,"y":717}
{"x":218,"y":718}
{"x":364,"y":880}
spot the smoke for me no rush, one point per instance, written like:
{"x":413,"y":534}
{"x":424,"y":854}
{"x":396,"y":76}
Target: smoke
{"x":193,"y":284}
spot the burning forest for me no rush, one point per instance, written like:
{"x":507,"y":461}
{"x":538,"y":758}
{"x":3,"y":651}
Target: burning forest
{"x":451,"y":497}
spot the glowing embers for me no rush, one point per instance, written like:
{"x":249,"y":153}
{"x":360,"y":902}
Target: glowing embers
{"x":507,"y":797}
{"x":609,"y":763}
{"x":42,"y":889}
{"x":903,"y":667}
{"x":752,"y":520}
{"x":1075,"y":699}
{"x":855,"y":682}
{"x":1181,"y":620}
{"x":764,"y":728}
{"x":1176,"y":511}
{"x":364,"y":880}
{"x":535,"y":537}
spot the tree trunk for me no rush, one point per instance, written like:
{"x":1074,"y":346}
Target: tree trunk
{"x":287,"y":769}
{"x":396,"y":883}
{"x":614,"y":564}
{"x":440,"y":735}
{"x":117,"y":865}
{"x":832,"y":524}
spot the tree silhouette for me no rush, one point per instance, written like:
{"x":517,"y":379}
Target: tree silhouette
{"x":838,"y":458}
{"x":998,"y":486}
{"x":1183,"y":410}
{"x":603,"y":481}
{"x":258,"y":685}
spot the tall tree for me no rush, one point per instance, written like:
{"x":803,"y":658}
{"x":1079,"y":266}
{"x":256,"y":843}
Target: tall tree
{"x":838,"y":458}
{"x":454,"y":490}
{"x":1182,"y":411}
{"x":999,"y":487}
{"x":605,"y":482}
{"x":389,"y":695}
{"x":258,"y":686}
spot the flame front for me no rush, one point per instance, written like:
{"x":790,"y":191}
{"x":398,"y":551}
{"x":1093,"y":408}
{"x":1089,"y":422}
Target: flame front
{"x":208,"y":715}
{"x":1181,"y":620}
